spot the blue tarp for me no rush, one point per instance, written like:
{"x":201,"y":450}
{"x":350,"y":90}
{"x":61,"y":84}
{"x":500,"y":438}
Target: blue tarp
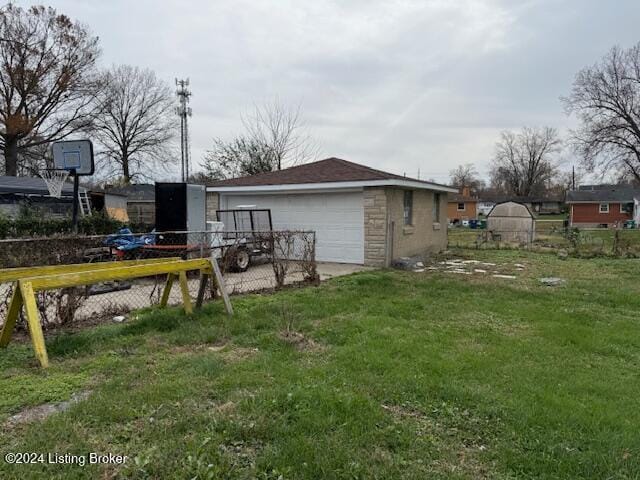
{"x":125,"y":240}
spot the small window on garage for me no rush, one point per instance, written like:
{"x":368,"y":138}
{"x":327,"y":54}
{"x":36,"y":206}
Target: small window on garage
{"x":436,"y":208}
{"x":461,"y":207}
{"x":626,"y":208}
{"x":408,"y":207}
{"x":604,"y":208}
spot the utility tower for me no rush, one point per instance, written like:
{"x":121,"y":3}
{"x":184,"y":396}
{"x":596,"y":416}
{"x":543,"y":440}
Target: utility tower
{"x":183,"y":112}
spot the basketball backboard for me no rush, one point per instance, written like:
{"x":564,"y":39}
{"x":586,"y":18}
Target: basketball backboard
{"x":74,"y":155}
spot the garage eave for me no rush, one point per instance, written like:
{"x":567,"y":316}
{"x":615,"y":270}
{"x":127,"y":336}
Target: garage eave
{"x":325,"y":186}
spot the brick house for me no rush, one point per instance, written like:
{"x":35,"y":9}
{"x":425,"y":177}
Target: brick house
{"x":462,"y":206}
{"x":602,"y":205}
{"x":360,"y":215}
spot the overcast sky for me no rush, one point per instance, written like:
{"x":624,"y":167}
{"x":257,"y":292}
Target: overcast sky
{"x":398,"y":85}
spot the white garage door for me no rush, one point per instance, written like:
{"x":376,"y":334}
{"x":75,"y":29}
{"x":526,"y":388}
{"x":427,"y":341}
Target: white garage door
{"x":337,"y":219}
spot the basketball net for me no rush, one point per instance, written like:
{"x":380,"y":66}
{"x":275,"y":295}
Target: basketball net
{"x":54,"y":179}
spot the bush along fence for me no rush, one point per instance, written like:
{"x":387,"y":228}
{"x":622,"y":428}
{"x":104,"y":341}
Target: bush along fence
{"x":576,"y":242}
{"x":32,"y":222}
{"x":250,"y":262}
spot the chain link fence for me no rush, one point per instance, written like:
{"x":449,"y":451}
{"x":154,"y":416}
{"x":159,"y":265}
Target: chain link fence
{"x":250,"y":262}
{"x":579,"y":242}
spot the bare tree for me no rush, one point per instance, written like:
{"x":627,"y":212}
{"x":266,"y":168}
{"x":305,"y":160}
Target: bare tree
{"x":47,"y":81}
{"x":281,"y":130}
{"x":136,"y":123}
{"x":606,"y":99}
{"x":466,"y":176}
{"x":524,"y":162}
{"x":237,"y":158}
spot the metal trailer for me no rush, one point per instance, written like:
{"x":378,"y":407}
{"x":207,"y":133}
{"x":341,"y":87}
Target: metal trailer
{"x":244,"y":235}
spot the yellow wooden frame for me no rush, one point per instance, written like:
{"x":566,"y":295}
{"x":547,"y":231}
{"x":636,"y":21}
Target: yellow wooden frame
{"x":33,"y":279}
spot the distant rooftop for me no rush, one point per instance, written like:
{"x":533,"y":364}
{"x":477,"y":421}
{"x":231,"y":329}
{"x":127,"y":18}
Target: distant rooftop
{"x":603,"y":193}
{"x":31,"y":186}
{"x":141,"y":192}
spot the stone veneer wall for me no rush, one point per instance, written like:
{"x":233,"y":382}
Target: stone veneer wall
{"x":375,"y":227}
{"x":213,"y":204}
{"x":387,"y":238}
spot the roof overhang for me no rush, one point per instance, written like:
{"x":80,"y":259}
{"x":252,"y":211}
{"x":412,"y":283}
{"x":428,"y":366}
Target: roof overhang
{"x":326,"y":186}
{"x":599,"y":201}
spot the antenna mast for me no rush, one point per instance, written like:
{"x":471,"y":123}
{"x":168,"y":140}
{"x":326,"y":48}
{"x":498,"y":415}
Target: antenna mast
{"x":183,"y":112}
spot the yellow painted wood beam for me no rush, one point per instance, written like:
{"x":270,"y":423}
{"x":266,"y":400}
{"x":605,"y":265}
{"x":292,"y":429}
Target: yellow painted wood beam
{"x":15,"y":274}
{"x":89,"y":276}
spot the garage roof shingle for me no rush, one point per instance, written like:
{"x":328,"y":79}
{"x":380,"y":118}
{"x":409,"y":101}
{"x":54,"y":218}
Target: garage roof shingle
{"x":329,"y":170}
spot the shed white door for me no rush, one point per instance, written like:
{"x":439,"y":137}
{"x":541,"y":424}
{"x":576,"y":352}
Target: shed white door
{"x":337,"y":218}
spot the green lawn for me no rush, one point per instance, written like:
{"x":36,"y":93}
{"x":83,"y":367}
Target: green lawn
{"x":385,"y":375}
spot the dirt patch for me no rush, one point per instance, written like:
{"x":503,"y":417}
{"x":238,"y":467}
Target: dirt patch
{"x":41,"y":412}
{"x":231,"y":353}
{"x":227,"y":351}
{"x":300,"y":341}
{"x":455,"y":455}
{"x":242,"y":454}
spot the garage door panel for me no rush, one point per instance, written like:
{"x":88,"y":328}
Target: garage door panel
{"x":337,"y":219}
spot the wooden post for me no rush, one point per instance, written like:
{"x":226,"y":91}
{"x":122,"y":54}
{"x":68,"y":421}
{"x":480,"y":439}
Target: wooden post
{"x":12,"y":316}
{"x":186,"y":298}
{"x":221,"y":286}
{"x":33,"y":321}
{"x":167,"y":290}
{"x":204,"y":277}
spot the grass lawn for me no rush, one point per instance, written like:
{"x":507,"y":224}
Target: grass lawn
{"x":382,"y":375}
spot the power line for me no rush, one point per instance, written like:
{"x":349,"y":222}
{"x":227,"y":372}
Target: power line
{"x":183,"y":112}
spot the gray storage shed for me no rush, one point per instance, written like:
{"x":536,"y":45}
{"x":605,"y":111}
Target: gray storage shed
{"x":513,"y":222}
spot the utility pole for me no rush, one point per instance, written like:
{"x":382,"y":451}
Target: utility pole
{"x":573,"y":177}
{"x":183,"y":112}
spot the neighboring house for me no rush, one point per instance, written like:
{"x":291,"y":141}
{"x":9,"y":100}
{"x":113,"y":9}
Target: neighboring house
{"x":16,"y":192}
{"x":141,"y":202}
{"x":462,"y":206}
{"x":485,"y":206}
{"x":539,"y":205}
{"x":603,"y":205}
{"x":544,"y":205}
{"x":113,"y":204}
{"x":360,"y":215}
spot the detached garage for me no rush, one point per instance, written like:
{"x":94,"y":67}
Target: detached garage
{"x":360,"y":215}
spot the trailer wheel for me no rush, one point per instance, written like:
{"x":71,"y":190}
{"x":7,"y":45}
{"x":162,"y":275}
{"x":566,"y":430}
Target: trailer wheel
{"x":241,"y":260}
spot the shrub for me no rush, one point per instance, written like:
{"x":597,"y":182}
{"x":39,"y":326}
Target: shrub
{"x":33,"y":222}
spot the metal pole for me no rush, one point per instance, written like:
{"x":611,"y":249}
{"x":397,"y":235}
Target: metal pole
{"x":186,"y":148}
{"x":182,"y":144}
{"x":76,"y":200}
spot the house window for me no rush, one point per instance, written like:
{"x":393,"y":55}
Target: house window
{"x":626,"y":208}
{"x":436,"y":208}
{"x":461,"y":207}
{"x":604,"y":208}
{"x":408,"y":207}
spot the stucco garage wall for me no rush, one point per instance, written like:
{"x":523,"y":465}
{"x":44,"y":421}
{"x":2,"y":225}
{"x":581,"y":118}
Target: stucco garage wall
{"x":425,"y":235}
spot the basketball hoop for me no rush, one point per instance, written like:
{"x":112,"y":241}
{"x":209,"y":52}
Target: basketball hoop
{"x":54,"y":179}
